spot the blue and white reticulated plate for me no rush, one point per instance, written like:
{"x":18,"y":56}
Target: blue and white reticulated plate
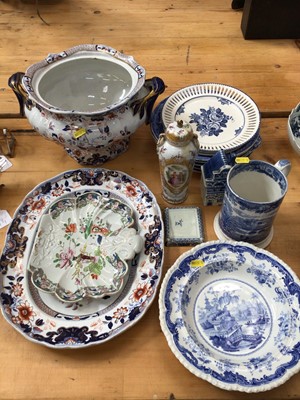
{"x":223,"y":116}
{"x":43,"y":317}
{"x":230,"y":314}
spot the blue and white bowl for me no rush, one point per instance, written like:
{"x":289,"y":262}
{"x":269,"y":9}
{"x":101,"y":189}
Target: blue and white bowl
{"x":230,"y":314}
{"x":294,"y":128}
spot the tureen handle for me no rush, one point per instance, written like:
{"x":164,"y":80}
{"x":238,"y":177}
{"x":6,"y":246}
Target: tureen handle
{"x":156,"y":87}
{"x":15,"y":83}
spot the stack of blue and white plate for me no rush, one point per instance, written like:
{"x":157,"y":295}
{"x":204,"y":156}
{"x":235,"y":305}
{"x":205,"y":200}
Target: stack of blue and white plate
{"x":223,"y":117}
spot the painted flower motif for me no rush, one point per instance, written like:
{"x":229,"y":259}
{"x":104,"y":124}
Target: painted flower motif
{"x":264,"y":277}
{"x":25,"y":312}
{"x":65,"y":258}
{"x":98,"y":229}
{"x":141,"y":208}
{"x":39,"y":204}
{"x":16,"y":320}
{"x":71,"y":228}
{"x":120,"y":313}
{"x":143,"y":289}
{"x":136,"y":183}
{"x":17,"y":289}
{"x":29,"y":201}
{"x":58,"y":191}
{"x":130,"y":190}
{"x":210,"y":122}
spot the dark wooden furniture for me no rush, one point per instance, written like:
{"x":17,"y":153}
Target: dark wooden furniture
{"x":271,"y":19}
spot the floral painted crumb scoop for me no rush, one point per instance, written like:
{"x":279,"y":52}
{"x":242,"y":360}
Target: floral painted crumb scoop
{"x":177,"y":149}
{"x":82,"y":247}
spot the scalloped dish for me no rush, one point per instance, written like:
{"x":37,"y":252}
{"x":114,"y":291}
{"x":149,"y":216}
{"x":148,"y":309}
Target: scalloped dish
{"x":81,"y":247}
{"x":230,"y":314}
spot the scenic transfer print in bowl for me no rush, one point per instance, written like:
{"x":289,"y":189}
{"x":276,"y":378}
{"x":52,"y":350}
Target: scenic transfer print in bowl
{"x":230,"y":314}
{"x":82,"y":246}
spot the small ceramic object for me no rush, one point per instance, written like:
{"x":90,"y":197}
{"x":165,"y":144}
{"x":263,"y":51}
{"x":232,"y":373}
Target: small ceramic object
{"x":253,"y":194}
{"x":89,"y":99}
{"x":230,"y":314}
{"x":177,"y":149}
{"x":42,"y":317}
{"x":213,"y":178}
{"x":82,"y":247}
{"x":293,"y":127}
{"x":184,"y":226}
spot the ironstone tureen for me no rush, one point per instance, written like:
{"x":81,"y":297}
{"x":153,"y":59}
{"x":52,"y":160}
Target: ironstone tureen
{"x":89,"y":99}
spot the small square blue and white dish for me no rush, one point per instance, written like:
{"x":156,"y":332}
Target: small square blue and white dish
{"x":183,"y":226}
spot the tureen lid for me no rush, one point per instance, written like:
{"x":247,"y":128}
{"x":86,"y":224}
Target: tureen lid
{"x":86,"y":79}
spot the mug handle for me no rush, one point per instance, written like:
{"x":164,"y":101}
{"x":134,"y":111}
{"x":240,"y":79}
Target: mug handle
{"x":284,"y":166}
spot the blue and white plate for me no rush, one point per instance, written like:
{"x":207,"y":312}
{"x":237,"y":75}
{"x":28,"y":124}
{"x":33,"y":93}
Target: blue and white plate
{"x":224,"y":117}
{"x":230,"y":314}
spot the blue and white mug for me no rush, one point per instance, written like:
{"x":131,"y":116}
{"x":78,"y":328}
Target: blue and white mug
{"x":253,"y":194}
